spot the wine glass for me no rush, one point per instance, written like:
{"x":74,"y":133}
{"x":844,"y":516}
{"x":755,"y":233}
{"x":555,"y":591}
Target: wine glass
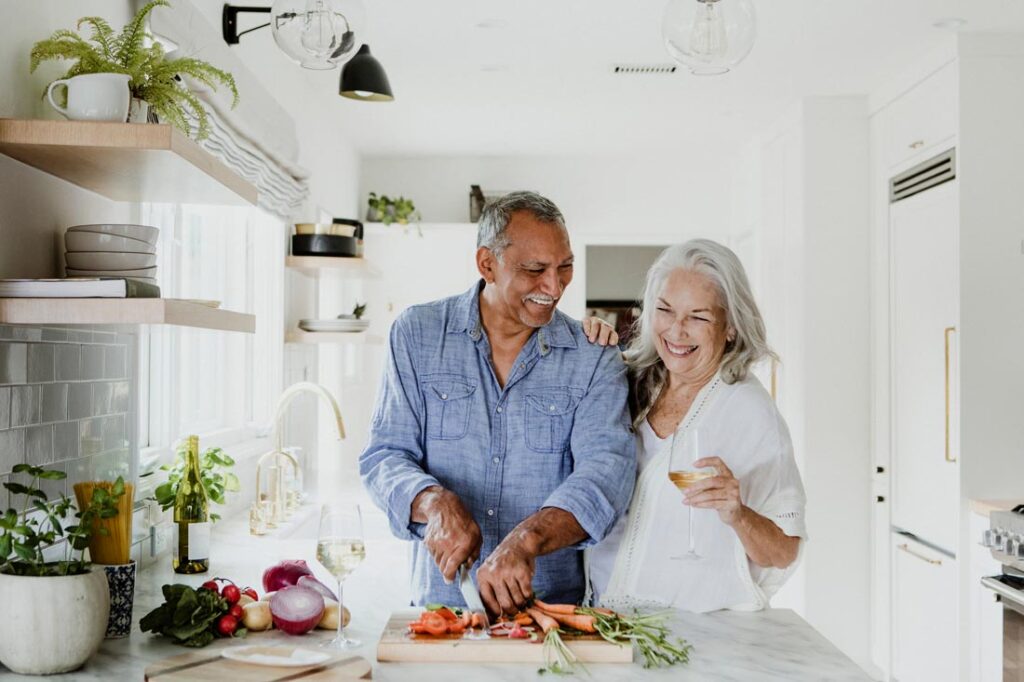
{"x":683,"y":474}
{"x":339,"y":549}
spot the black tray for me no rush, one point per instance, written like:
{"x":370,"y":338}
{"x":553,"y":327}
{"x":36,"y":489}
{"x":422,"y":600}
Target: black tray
{"x":323,"y":245}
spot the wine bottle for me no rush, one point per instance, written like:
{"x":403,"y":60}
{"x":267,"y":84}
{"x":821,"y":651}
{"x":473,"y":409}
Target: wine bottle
{"x":191,"y":517}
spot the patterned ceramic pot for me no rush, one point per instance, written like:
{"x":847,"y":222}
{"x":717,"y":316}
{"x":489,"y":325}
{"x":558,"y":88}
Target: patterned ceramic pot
{"x":52,"y":625}
{"x":121,"y":581}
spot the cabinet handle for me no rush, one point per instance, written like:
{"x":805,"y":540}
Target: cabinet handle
{"x":947,"y":333}
{"x":880,"y":498}
{"x":917,"y":144}
{"x":906,"y":548}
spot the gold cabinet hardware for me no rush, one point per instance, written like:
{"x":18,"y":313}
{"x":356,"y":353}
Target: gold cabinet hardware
{"x":906,"y":548}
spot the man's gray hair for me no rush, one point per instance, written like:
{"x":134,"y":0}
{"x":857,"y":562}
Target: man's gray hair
{"x":494,"y":220}
{"x":719,"y":263}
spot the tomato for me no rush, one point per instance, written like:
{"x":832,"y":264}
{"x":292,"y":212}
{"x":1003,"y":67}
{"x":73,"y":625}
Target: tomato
{"x":434,"y":624}
{"x":226,"y":625}
{"x":237,"y":611}
{"x":210,"y":585}
{"x":231,"y":593}
{"x":446,"y":613}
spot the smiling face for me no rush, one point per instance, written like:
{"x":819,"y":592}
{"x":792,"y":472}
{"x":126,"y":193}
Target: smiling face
{"x":528,"y":280}
{"x":690,"y":327}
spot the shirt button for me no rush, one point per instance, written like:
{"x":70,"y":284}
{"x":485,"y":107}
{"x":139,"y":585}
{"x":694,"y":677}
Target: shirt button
{"x":490,"y":512}
{"x":444,"y":396}
{"x":499,"y":409}
{"x":496,"y":460}
{"x":552,"y":408}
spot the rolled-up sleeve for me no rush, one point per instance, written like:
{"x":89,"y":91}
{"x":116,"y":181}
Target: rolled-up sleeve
{"x":604,"y":453}
{"x":391,"y":466}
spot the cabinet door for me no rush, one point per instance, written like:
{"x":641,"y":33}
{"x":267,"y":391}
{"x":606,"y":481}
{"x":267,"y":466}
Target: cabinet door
{"x":923,"y":230}
{"x":924,"y":120}
{"x":925,"y":645}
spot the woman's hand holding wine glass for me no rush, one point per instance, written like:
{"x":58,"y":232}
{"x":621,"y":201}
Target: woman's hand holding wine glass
{"x":340,"y":549}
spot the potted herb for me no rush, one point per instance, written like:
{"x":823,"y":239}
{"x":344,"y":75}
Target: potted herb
{"x":376,"y":208}
{"x":55,"y":609}
{"x":405,"y":211}
{"x":215,"y":470}
{"x":155,"y":82}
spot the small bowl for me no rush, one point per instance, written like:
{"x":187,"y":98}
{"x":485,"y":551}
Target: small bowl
{"x":143,"y":273}
{"x":99,"y":241}
{"x":141,"y":232}
{"x":109,"y":260}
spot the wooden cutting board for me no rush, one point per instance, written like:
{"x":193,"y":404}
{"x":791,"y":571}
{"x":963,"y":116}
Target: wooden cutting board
{"x":398,"y":645}
{"x":209,"y":666}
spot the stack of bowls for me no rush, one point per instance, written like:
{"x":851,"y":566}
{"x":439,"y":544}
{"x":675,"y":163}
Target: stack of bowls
{"x":111,"y":251}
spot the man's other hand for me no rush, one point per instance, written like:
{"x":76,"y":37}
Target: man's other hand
{"x":452,"y":537}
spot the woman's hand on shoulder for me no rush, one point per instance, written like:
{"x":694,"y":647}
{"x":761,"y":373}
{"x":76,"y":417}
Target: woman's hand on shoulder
{"x":600,"y":332}
{"x":721,"y":491}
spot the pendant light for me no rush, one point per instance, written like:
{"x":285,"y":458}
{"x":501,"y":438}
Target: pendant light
{"x":710,"y":37}
{"x":363,"y":78}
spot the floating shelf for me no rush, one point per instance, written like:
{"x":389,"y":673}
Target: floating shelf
{"x":40,"y":311}
{"x":356,"y":266}
{"x":126,"y":161}
{"x":350,"y":338}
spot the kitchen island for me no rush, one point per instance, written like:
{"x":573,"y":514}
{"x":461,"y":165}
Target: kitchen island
{"x":769,"y":645}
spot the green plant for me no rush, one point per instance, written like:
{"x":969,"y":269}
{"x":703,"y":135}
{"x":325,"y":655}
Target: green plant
{"x":133,"y":51}
{"x":214,"y":468}
{"x":25,"y":534}
{"x":188,"y":615}
{"x":405,"y":210}
{"x":359,"y":310}
{"x":400,"y":210}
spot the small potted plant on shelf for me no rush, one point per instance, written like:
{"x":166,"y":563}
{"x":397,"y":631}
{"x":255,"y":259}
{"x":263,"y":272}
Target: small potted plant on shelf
{"x":55,"y":609}
{"x":154,"y":79}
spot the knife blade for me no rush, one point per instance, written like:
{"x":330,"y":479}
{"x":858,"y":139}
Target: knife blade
{"x":472,"y":595}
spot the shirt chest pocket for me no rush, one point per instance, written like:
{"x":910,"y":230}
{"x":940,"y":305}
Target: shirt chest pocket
{"x":549,"y":418}
{"x":448,"y":402}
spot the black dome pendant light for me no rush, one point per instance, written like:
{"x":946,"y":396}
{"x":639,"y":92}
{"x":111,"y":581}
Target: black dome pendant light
{"x":363,"y":78}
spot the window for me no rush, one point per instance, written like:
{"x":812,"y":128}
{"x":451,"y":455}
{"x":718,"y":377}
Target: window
{"x":219,"y":385}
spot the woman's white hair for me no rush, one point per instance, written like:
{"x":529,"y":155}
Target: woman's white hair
{"x":721,"y":265}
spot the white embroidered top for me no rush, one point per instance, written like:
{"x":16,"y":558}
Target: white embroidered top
{"x":633,"y":566}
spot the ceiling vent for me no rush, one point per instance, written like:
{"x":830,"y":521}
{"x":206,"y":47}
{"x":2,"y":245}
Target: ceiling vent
{"x":643,"y":69}
{"x":934,"y":171}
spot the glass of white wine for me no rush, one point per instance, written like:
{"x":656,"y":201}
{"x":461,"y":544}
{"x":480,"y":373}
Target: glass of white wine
{"x":683,"y":474}
{"x":340,"y":548}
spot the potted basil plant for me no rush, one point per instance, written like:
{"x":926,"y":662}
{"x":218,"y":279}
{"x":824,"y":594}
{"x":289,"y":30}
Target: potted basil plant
{"x":55,"y":606}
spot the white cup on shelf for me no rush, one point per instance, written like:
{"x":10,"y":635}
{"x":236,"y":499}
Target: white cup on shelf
{"x":94,"y":97}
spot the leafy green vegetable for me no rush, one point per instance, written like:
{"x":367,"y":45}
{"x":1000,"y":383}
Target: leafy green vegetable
{"x":648,"y":631}
{"x":187,"y":615}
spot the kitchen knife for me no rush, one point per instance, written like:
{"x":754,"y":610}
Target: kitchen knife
{"x":472,"y":595}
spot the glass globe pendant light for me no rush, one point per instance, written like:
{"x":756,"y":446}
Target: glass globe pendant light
{"x":710,"y":37}
{"x":318,"y":34}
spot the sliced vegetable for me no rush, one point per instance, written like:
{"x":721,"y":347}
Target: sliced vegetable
{"x":296,"y":610}
{"x":284,"y":574}
{"x":314,"y":584}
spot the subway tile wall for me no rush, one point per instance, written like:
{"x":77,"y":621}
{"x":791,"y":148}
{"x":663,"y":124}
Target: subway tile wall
{"x":68,"y":401}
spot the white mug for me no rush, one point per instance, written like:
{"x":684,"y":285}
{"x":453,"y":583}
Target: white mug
{"x":94,"y":97}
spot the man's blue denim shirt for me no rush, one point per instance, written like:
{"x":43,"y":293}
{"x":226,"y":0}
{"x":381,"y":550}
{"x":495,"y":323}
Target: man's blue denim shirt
{"x":557,"y":435}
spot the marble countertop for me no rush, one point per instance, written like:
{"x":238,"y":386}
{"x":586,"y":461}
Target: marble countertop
{"x":775,"y":644}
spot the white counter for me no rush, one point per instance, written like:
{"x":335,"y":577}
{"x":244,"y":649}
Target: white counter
{"x":773,"y":644}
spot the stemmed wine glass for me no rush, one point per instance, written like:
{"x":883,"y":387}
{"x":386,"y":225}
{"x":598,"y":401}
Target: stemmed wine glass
{"x":340,"y":548}
{"x":683,"y":474}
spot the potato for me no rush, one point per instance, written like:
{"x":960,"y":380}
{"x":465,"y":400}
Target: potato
{"x":245,"y":599}
{"x":256,"y":616}
{"x":329,"y":621}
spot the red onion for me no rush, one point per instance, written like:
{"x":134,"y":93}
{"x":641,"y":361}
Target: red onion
{"x":296,"y":610}
{"x":314,"y":584}
{"x":283,"y":574}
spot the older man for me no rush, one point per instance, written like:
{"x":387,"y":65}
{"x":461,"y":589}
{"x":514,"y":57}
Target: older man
{"x":500,"y":433}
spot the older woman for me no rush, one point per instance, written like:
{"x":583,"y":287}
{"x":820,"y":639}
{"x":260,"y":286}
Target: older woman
{"x":698,"y":336}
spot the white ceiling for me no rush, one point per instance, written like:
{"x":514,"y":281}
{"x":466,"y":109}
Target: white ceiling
{"x":538,"y":81}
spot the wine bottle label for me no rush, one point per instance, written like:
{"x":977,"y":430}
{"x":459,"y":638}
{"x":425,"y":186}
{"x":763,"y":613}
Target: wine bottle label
{"x":197,"y":537}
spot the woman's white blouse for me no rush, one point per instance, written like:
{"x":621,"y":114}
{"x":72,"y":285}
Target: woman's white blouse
{"x":633,"y":565}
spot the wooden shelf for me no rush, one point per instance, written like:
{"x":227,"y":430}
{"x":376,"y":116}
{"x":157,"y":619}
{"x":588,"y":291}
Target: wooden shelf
{"x":125,"y":161}
{"x":349,"y":338}
{"x":62,"y":311}
{"x":352,"y":265}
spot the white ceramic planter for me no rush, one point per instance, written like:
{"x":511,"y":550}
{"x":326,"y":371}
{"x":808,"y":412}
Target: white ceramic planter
{"x":52,"y":625}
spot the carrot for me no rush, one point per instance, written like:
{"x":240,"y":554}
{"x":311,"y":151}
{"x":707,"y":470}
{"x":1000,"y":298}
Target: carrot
{"x":583,"y":623}
{"x":476,"y":621}
{"x":603,"y":612}
{"x":523,"y":619}
{"x":546,"y":622}
{"x":568,"y":609}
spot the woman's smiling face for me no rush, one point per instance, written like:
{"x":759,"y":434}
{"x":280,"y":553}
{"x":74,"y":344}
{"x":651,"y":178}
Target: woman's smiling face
{"x":690,"y":327}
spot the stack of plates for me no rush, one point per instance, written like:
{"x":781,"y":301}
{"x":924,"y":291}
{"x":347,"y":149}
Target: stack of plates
{"x":111,"y":251}
{"x":334,"y":325}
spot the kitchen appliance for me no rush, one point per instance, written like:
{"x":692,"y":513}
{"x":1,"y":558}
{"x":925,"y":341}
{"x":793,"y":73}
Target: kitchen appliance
{"x":1005,"y":539}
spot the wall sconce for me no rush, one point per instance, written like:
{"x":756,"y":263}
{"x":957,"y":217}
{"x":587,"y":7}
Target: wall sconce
{"x":364,"y":78}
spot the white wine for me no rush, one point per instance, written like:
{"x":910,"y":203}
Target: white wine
{"x":340,"y":556}
{"x":191,"y":517}
{"x":684,"y":479}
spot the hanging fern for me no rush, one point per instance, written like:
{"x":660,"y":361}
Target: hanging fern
{"x":153,"y":78}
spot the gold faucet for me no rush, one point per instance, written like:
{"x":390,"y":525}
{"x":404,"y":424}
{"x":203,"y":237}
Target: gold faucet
{"x":277,"y":497}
